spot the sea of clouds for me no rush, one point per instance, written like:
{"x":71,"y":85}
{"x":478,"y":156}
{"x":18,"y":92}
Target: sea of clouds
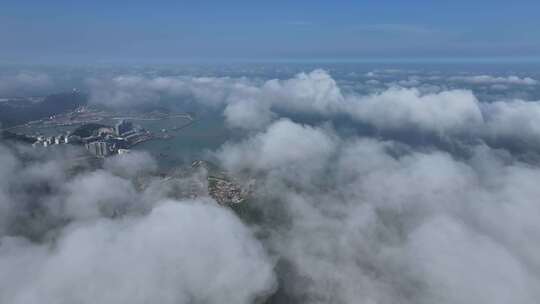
{"x":417,"y":192}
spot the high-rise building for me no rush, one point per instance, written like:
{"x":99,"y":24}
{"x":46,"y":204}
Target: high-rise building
{"x":98,"y":148}
{"x":122,"y":127}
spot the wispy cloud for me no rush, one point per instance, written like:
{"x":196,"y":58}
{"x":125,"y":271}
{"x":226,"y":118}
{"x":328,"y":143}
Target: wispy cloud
{"x":299,"y":23}
{"x":397,"y":28}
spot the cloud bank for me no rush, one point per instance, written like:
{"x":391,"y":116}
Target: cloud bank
{"x":92,"y":236}
{"x":253,"y":105}
{"x":360,"y":219}
{"x":348,"y":205}
{"x":487,"y":79}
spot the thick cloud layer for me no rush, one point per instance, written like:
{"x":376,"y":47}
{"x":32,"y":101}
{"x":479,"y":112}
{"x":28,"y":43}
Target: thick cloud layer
{"x":344,"y":208}
{"x":516,"y":121}
{"x":371,"y":221}
{"x":88,"y":236}
{"x":179,"y":253}
{"x":454,"y":111}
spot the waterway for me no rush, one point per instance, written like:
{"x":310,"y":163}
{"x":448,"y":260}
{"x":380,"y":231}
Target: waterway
{"x":206,"y":133}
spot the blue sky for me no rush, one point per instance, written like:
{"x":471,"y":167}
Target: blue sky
{"x":184,"y":31}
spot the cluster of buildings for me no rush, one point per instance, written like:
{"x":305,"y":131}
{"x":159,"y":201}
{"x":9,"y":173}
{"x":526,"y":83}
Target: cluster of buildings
{"x":226,"y":191}
{"x":108,"y":141}
{"x":103,"y":141}
{"x":223,"y":188}
{"x":51,"y":140}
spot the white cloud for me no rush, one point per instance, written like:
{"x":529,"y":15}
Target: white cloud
{"x":134,"y":90}
{"x":89,"y":236}
{"x":513,"y":121}
{"x":24,"y":83}
{"x":457,"y":263}
{"x":253,"y":105}
{"x":89,"y":196}
{"x":403,"y":29}
{"x":283,"y":146}
{"x":131,"y":164}
{"x":355,"y":219}
{"x":179,"y":253}
{"x":487,"y":79}
{"x":398,"y":109}
{"x":248,"y":114}
{"x":314,"y":92}
{"x":384,"y":224}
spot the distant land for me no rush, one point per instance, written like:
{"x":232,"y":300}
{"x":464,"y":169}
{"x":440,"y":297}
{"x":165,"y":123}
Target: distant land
{"x":22,"y":110}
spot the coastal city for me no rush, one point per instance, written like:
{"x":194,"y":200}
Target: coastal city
{"x":102,"y":133}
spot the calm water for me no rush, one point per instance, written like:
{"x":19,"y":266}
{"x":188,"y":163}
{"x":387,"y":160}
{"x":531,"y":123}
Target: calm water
{"x":205,"y":134}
